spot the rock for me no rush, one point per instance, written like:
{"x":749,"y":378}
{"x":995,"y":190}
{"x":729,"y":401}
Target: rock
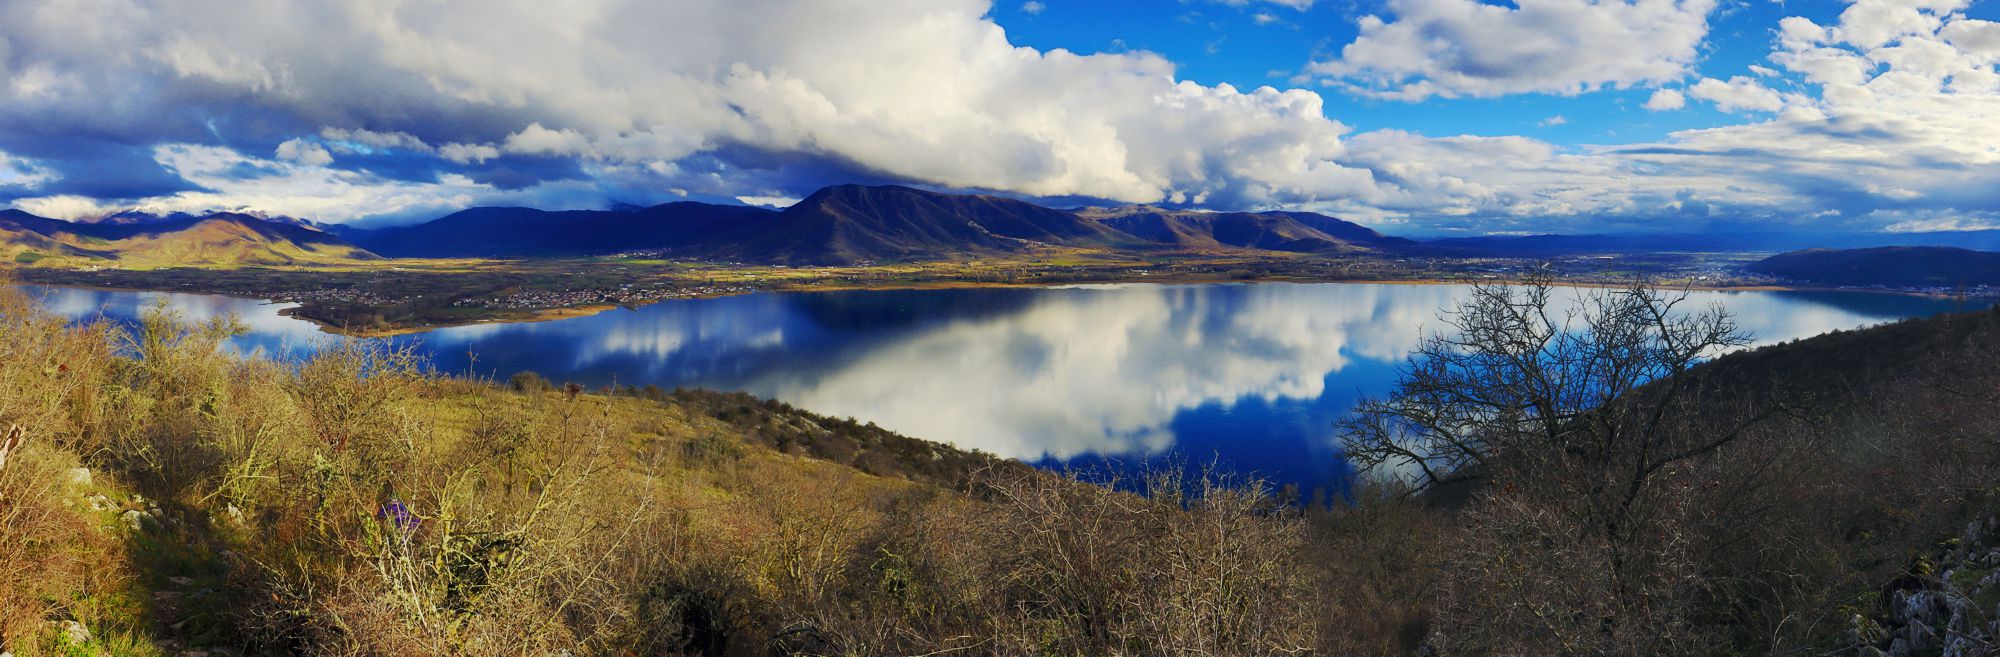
{"x":75,"y":632}
{"x":235,"y":515}
{"x":180,"y":581}
{"x":78,"y":476}
{"x":1864,"y":631}
{"x":1919,"y":607}
{"x":1920,"y":635}
{"x":1956,"y":609}
{"x":1898,"y":648}
{"x":1869,"y":651}
{"x":136,"y":520}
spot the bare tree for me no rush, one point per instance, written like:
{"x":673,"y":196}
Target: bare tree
{"x":1588,"y":412}
{"x":1525,"y":378}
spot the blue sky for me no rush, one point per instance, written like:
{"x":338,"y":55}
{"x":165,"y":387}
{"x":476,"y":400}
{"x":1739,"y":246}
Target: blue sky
{"x":1255,"y":44}
{"x":1421,"y":117}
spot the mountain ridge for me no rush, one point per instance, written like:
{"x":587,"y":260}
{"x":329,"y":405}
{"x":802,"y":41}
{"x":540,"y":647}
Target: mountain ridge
{"x":852,"y":224}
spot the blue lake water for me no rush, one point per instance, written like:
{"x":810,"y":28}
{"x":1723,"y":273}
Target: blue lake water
{"x":1248,"y":376}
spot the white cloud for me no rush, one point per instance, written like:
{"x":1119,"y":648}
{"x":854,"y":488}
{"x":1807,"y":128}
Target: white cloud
{"x":1033,"y":8}
{"x":1300,"y":5}
{"x":18,"y":173}
{"x":1553,"y":121}
{"x":538,"y":140}
{"x":1931,"y":222}
{"x":1265,"y":18}
{"x":1739,"y":93}
{"x":929,"y":91}
{"x":1455,"y":48}
{"x":348,"y":139}
{"x":772,"y":201}
{"x":715,"y":98}
{"x":65,"y":206}
{"x":1521,"y":184}
{"x":293,"y":188}
{"x":468,"y":153}
{"x":1874,"y":23}
{"x":304,"y":152}
{"x":1665,"y":100}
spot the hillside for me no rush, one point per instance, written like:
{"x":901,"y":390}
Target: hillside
{"x":1889,"y":266}
{"x":1298,"y":232}
{"x":850,"y":223}
{"x":221,"y":239}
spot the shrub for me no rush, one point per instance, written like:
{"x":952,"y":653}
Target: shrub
{"x":529,"y":382}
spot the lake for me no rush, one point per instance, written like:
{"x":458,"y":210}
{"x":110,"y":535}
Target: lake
{"x":1250,"y":377}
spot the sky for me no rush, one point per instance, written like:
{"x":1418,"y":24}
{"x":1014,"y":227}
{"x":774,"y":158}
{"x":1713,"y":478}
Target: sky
{"x":1417,"y":117}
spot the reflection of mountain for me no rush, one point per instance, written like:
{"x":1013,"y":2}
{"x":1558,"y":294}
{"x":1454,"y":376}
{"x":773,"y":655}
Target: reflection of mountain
{"x":897,"y":309}
{"x":1876,"y":307}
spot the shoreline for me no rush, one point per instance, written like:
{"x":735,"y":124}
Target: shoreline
{"x":540,"y":315}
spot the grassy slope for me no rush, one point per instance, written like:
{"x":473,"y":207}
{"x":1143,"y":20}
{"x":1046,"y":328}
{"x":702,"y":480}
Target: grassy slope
{"x":229,"y":243}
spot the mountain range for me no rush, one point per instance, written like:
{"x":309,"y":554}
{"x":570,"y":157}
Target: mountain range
{"x":840,"y":225}
{"x":850,"y":224}
{"x":844,"y":225}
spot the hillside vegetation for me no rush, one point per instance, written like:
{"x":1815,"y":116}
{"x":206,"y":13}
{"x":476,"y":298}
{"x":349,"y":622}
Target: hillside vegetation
{"x":160,"y":496}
